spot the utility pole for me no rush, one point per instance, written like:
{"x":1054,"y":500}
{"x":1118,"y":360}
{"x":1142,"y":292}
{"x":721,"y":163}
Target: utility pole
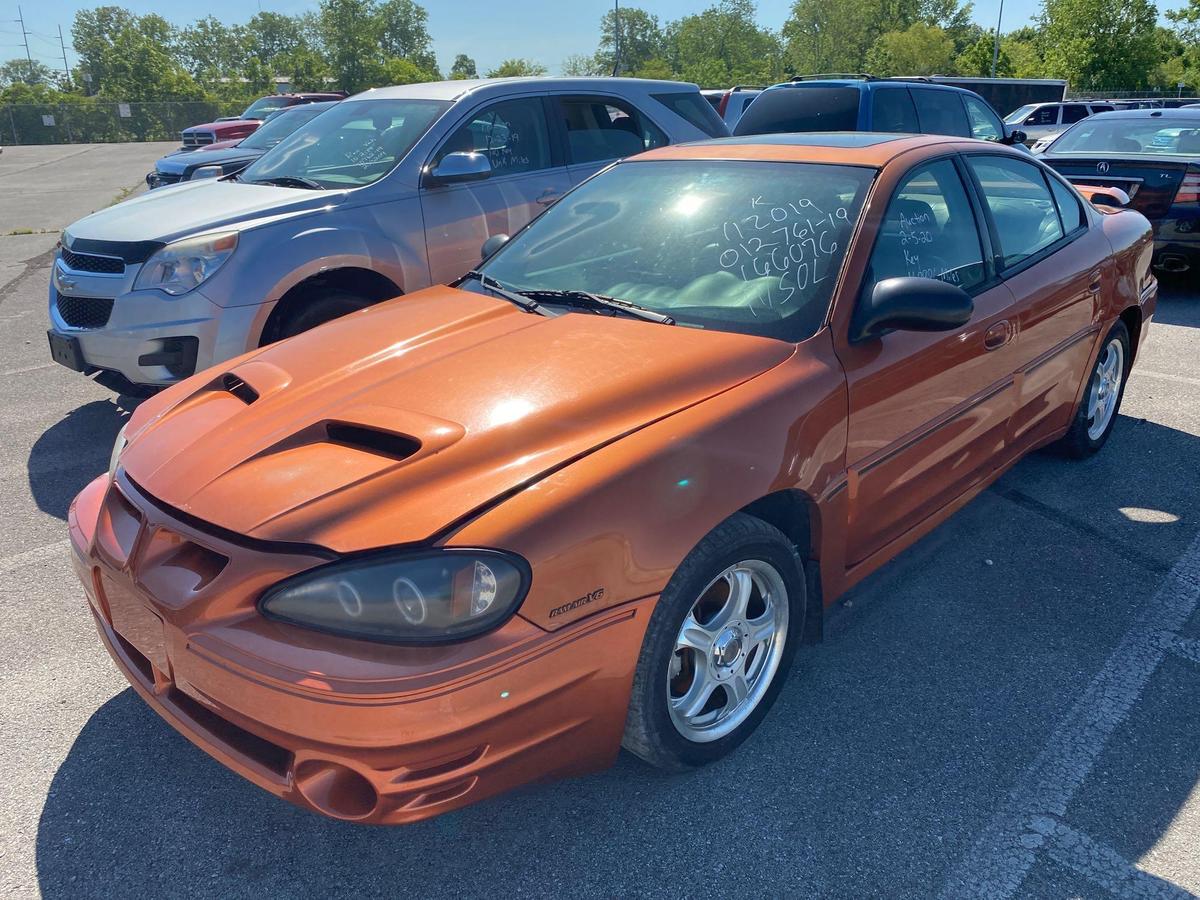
{"x":66,"y":68}
{"x":25,"y":38}
{"x":616,"y":37}
{"x":996,"y":42}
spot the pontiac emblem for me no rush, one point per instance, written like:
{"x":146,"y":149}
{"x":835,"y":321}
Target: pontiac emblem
{"x":1102,"y":168}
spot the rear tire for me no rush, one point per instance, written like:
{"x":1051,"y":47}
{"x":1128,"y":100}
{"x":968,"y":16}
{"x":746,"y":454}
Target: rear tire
{"x":1097,"y":412}
{"x":317,"y":309}
{"x":726,"y":627}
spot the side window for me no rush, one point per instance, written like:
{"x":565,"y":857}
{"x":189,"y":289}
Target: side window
{"x":1069,"y":209}
{"x":512,"y":133}
{"x":1074,"y":112}
{"x":695,"y":110}
{"x":892,"y":110}
{"x":985,"y":124}
{"x":602,"y":129}
{"x":1101,"y":107}
{"x":1023,"y":211}
{"x":929,"y":230}
{"x":1047,"y":115}
{"x":940,"y":112}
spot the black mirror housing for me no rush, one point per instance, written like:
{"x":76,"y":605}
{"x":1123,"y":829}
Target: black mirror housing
{"x":492,"y":244}
{"x":1015,"y":136}
{"x":910,"y":304}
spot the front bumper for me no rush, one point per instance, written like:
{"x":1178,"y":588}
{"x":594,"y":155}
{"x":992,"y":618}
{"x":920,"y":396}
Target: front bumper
{"x":139,"y":328}
{"x":357,"y":731}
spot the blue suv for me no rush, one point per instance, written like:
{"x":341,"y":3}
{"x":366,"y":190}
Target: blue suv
{"x":866,"y":103}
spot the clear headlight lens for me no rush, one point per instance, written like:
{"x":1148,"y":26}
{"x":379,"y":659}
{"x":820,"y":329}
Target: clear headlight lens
{"x":184,"y":265}
{"x":418,"y":597}
{"x":118,"y":448}
{"x":207,"y":172}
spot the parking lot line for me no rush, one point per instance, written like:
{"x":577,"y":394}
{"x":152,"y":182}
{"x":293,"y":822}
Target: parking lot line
{"x":1102,"y":865}
{"x":1008,"y":846}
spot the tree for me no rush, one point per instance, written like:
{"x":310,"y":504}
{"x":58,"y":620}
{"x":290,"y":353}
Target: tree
{"x":272,"y":35}
{"x":131,"y":57}
{"x":1023,"y":49}
{"x":641,"y":40}
{"x":403,"y":33}
{"x":1098,"y":44}
{"x":305,"y":69}
{"x":919,"y":49}
{"x":463,"y":67}
{"x":580,"y":64}
{"x":976,"y":60}
{"x":350,"y":38}
{"x":512,"y":68}
{"x":20,"y":71}
{"x":210,"y":50}
{"x":724,"y":45}
{"x":404,"y":71}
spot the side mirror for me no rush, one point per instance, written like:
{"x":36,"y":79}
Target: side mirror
{"x":458,"y":167}
{"x":1104,"y":196}
{"x":492,"y":244}
{"x":910,"y":304}
{"x":1015,"y":136}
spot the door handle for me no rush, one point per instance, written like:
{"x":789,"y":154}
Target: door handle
{"x":997,"y":335}
{"x":548,"y":196}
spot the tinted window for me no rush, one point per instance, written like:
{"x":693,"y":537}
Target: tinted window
{"x":892,"y":110}
{"x":602,"y":129}
{"x":1022,"y":209}
{"x":513,"y":134}
{"x":1074,"y":112}
{"x":1069,"y":209}
{"x":984,"y":123}
{"x":752,"y":247}
{"x":801,"y":109}
{"x":929,"y":231}
{"x":1018,"y":114}
{"x":693,"y":108}
{"x":1129,"y":135}
{"x":941,"y":112}
{"x":1101,"y":107}
{"x":1047,"y":115}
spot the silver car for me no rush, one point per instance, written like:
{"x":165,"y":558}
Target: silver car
{"x":385,"y":193}
{"x":1047,"y":120}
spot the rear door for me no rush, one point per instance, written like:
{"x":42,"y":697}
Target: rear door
{"x":928,"y":411}
{"x":1056,"y":267}
{"x":527,"y":174}
{"x":597,"y":130}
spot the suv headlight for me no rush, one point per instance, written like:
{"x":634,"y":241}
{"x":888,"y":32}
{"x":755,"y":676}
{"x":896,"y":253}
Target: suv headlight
{"x":425,"y":596}
{"x":184,"y":265}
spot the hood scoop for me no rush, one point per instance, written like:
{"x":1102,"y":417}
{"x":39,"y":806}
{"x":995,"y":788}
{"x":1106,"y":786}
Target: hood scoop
{"x":234,"y":385}
{"x":372,"y":440}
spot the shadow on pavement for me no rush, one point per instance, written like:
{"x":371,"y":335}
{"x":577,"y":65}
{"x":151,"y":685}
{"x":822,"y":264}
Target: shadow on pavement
{"x":940,"y":679}
{"x":75,"y":450}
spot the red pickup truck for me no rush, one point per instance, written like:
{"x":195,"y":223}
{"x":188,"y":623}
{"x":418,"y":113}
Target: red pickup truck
{"x":235,"y":128}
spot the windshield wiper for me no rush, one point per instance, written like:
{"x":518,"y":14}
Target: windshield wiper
{"x":588,"y":300}
{"x":291,"y":181}
{"x":500,"y":290}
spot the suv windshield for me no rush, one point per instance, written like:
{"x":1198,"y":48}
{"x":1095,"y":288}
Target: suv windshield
{"x":1131,"y":136}
{"x":263,"y":107}
{"x":276,"y":128}
{"x":354,"y":144}
{"x":1018,"y":115}
{"x":751,"y":247}
{"x":801,"y":108}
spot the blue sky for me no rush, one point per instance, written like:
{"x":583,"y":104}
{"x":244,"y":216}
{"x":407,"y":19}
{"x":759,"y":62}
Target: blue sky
{"x":545,"y":30}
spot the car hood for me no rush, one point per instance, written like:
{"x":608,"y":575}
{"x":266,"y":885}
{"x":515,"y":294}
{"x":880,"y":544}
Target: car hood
{"x":227,"y":125}
{"x":194,"y":206}
{"x":392,"y":424}
{"x":177,"y":164}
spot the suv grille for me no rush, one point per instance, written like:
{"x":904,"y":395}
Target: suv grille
{"x":84,"y":312}
{"x":86,"y":262}
{"x":198,"y":138}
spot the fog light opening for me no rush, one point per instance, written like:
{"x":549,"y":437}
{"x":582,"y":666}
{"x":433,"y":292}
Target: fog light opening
{"x":335,"y":790}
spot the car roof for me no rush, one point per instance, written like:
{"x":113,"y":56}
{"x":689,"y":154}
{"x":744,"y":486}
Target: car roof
{"x":453,"y":90}
{"x":872,"y":84}
{"x":1182,"y":112}
{"x":860,"y":148}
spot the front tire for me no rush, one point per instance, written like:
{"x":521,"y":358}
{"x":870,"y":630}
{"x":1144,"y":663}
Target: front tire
{"x":1097,"y":412}
{"x":318,"y":309}
{"x":718,"y":647}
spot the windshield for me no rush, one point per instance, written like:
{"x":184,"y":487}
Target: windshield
{"x":353,"y":144}
{"x":751,"y":247}
{"x":1132,"y":136}
{"x":1018,"y":114}
{"x":262,"y":108}
{"x":280,"y":125}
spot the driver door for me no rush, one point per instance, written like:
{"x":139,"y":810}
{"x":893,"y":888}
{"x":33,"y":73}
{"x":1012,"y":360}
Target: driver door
{"x":928,"y":411}
{"x":525,"y":178}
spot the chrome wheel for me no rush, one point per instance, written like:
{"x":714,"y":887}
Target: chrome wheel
{"x":727,"y":651}
{"x":1105,"y":388}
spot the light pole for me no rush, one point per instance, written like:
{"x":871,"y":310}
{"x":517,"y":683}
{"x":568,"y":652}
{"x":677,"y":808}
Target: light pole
{"x":996,"y":42}
{"x":616,"y":37}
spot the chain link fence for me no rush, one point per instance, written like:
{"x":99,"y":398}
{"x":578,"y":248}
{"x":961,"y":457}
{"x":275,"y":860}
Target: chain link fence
{"x":89,"y":121}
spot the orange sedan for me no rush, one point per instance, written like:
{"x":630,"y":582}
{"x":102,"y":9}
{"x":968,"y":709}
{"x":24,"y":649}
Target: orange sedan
{"x":597,"y":493}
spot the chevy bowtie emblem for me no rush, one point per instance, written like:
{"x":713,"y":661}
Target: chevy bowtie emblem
{"x":1102,"y":168}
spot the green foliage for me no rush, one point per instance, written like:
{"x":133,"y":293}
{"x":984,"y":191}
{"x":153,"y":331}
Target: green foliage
{"x":1099,"y":44}
{"x":976,"y":59}
{"x":512,"y":68}
{"x":580,"y":64}
{"x":398,"y":70}
{"x":723,"y":45}
{"x":20,"y":71}
{"x":641,"y":40}
{"x":463,"y":67}
{"x":919,"y":49}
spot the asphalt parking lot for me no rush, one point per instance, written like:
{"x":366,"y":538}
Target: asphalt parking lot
{"x":1010,"y":709}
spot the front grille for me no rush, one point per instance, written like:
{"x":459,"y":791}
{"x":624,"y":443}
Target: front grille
{"x":195,"y":139}
{"x":162,"y":178}
{"x":86,"y":262}
{"x":84,"y":312}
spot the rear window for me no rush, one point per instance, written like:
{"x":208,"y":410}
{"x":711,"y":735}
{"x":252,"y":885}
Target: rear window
{"x":801,"y":109}
{"x":693,"y":108}
{"x":941,"y":112}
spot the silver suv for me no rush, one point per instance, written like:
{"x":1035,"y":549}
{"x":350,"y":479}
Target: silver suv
{"x":385,"y":193}
{"x":1046,"y":120}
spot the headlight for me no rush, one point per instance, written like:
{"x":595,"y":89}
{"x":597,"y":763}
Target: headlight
{"x":184,"y":265}
{"x":118,"y":447}
{"x":207,"y":172}
{"x":417,"y":597}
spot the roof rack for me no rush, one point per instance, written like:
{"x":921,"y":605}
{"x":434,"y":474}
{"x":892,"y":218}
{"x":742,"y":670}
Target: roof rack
{"x":924,"y":78}
{"x":821,"y":76}
{"x":747,"y":87}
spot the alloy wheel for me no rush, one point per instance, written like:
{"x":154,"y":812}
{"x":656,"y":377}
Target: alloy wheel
{"x":1105,"y":388}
